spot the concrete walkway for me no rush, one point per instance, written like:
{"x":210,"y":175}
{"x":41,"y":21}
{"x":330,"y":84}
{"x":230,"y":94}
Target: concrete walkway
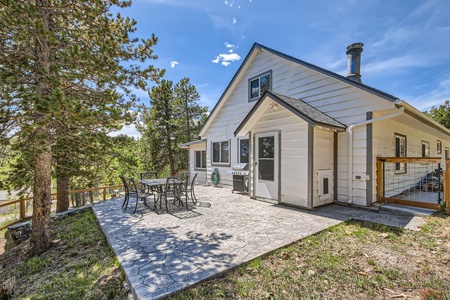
{"x":162,"y":253}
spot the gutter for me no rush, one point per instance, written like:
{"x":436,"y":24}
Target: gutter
{"x":350,"y":147}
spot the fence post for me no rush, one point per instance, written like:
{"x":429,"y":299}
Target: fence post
{"x":22,"y":209}
{"x":447,"y":187}
{"x":104,"y":193}
{"x":379,"y":179}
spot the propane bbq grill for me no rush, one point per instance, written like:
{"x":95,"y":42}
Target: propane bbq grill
{"x":240,"y":177}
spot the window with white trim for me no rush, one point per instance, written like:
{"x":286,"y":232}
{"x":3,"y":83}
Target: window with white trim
{"x":400,"y":151}
{"x":200,"y":159}
{"x":425,"y":149}
{"x":439,"y":147}
{"x":447,"y":151}
{"x":259,"y":84}
{"x":221,"y":152}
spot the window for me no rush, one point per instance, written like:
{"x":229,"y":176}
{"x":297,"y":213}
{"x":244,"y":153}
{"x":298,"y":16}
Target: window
{"x":400,"y":151}
{"x":221,"y":152}
{"x":439,"y":147}
{"x":446,"y":152}
{"x":200,"y":159}
{"x":243,"y":151}
{"x":259,"y":84}
{"x":425,"y":149}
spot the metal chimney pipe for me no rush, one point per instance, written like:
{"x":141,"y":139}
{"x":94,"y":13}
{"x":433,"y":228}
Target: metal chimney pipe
{"x":354,"y":61}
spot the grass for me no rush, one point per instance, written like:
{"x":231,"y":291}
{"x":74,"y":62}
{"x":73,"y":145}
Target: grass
{"x":80,"y":265}
{"x":353,"y":260}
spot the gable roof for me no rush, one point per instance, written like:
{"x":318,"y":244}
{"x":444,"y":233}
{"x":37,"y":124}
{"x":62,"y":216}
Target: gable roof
{"x":300,"y":108}
{"x":257,"y":46}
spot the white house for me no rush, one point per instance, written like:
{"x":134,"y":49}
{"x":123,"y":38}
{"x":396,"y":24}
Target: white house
{"x":297,"y":125}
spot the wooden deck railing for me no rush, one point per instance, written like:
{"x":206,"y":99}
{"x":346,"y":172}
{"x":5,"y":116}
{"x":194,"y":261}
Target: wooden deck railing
{"x":22,"y":207}
{"x":411,"y":160}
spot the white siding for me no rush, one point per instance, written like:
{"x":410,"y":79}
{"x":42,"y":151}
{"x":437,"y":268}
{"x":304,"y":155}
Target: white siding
{"x":293,"y":154}
{"x":339,"y":100}
{"x":323,"y":159}
{"x":201,"y":177}
{"x":344,"y":102}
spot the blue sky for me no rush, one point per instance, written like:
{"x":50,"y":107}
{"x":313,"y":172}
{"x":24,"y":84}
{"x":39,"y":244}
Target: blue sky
{"x":406,"y":42}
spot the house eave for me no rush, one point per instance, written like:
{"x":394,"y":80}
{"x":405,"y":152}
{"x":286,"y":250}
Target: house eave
{"x":414,"y":112}
{"x":188,"y":144}
{"x":269,"y":95}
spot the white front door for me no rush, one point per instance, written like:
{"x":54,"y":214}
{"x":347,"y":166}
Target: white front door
{"x":266,"y":165}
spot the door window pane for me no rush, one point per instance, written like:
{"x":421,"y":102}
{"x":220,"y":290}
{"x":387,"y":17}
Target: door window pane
{"x":266,"y":170}
{"x":266,"y":147}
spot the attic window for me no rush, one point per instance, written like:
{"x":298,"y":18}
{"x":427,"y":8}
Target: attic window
{"x":259,"y":84}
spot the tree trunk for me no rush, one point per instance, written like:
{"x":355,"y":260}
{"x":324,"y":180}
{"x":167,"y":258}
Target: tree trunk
{"x":42,"y":199}
{"x":62,"y":186}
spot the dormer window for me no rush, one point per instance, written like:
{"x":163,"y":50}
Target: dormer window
{"x":259,"y":84}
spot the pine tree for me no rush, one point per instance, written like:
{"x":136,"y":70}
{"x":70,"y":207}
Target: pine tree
{"x":65,"y":62}
{"x":174,"y":117}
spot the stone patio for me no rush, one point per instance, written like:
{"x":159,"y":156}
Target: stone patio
{"x":162,"y":253}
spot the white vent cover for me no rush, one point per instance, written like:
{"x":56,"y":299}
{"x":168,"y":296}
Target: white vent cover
{"x":325,"y":185}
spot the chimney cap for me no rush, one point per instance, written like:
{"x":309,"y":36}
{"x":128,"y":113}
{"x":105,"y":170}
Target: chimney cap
{"x":354,"y":46}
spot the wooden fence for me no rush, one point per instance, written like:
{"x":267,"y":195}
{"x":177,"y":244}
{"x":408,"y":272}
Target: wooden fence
{"x":22,"y":202}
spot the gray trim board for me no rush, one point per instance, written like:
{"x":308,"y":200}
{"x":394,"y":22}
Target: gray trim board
{"x":310,"y":166}
{"x":279,"y":166}
{"x":254,"y":169}
{"x":251,"y":165}
{"x":335,"y":165}
{"x":369,"y":156}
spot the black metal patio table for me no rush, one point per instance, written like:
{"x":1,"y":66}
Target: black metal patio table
{"x":157,"y":184}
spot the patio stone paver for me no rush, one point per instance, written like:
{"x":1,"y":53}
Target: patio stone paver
{"x":163,"y":253}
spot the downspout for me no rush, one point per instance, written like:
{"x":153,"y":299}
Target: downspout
{"x":350,"y":147}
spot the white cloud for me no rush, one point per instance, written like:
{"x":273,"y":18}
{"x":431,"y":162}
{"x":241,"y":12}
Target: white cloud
{"x":129,"y":130}
{"x":227,"y":58}
{"x":173,"y":63}
{"x":229,"y":45}
{"x":234,"y":21}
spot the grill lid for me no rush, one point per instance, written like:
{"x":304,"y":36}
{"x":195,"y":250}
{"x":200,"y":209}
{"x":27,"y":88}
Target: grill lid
{"x":239,"y":167}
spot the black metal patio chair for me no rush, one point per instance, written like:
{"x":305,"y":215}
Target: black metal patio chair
{"x":183,"y":178}
{"x":172,"y":190}
{"x":131,"y":190}
{"x":190,"y":190}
